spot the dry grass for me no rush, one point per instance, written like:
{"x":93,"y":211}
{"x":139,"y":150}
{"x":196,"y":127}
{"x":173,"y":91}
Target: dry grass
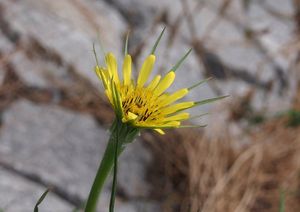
{"x":215,"y":174}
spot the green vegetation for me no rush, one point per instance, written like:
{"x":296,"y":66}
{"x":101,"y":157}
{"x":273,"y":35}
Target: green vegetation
{"x":293,"y":118}
{"x":36,"y":208}
{"x":282,"y":201}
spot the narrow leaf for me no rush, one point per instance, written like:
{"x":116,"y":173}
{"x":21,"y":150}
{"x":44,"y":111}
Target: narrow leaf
{"x":282,"y":201}
{"x":192,"y":126}
{"x":206,"y":101}
{"x":198,"y":116}
{"x":157,"y":41}
{"x":199,"y":83}
{"x":126,"y":44}
{"x":95,"y":54}
{"x":181,"y":60}
{"x":40,"y":200}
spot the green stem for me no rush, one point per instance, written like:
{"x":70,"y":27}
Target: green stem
{"x":114,"y":187}
{"x":102,"y":173}
{"x":123,"y":134}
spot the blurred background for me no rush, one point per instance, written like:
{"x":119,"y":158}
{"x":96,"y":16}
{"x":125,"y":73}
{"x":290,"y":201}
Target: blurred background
{"x":55,"y":118}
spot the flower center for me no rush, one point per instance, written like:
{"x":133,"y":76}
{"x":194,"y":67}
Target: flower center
{"x":139,"y":103}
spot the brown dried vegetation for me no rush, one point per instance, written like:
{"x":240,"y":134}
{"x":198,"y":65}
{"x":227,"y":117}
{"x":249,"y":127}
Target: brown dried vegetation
{"x":218,"y":174}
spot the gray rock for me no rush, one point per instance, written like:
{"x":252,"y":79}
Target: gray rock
{"x":60,"y":146}
{"x":135,"y":159}
{"x":143,"y":16}
{"x":284,"y":8}
{"x":32,"y":73}
{"x":135,"y":205}
{"x":5,"y":45}
{"x":252,"y":62}
{"x":146,"y":206}
{"x":138,"y":206}
{"x":2,"y":75}
{"x":6,"y":48}
{"x":279,"y":31}
{"x":67,"y":28}
{"x":20,"y":195}
{"x":64,"y":148}
{"x":38,"y":72}
{"x":136,"y":12}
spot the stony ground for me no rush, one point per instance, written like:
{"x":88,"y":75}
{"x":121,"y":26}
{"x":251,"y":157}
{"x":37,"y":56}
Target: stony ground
{"x":54,"y":119}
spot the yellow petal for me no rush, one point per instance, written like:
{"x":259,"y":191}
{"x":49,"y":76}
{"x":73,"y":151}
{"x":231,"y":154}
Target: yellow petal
{"x":98,"y":72}
{"x":154,"y":82}
{"x":109,"y":96}
{"x":127,"y":70}
{"x":178,"y":117}
{"x":101,"y":75}
{"x":160,"y":131}
{"x":116,"y":98}
{"x":174,"y":108}
{"x":131,"y":116}
{"x":105,"y":74}
{"x":171,"y":124}
{"x":112,"y":67}
{"x":174,"y":97}
{"x":165,"y":83}
{"x":146,"y":70}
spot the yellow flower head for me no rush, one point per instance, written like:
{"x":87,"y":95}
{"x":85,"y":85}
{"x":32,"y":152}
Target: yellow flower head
{"x":141,"y":103}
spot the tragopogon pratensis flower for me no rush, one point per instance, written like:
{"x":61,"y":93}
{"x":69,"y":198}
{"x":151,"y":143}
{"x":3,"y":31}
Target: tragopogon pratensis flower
{"x":143,"y":103}
{"x":138,"y":104}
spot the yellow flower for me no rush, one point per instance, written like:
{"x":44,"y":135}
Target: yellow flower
{"x":142,"y":104}
{"x":145,"y":106}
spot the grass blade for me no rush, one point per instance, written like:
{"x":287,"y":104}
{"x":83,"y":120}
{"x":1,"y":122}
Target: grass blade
{"x":282,"y":201}
{"x":40,"y":200}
